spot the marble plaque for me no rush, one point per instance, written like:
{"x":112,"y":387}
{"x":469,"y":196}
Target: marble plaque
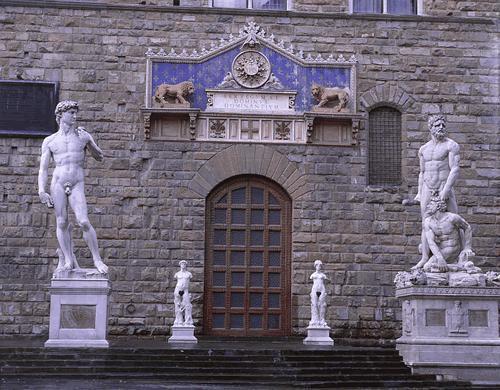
{"x":435,"y":317}
{"x":478,"y":318}
{"x":78,"y":316}
{"x":265,"y":102}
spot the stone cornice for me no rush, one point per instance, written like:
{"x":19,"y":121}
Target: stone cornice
{"x":234,"y":11}
{"x":470,"y":292}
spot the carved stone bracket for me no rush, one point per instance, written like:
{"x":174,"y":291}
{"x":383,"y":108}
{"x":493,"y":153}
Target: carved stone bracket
{"x":355,"y":131}
{"x":147,"y":124}
{"x":192,"y":125}
{"x":309,"y":127}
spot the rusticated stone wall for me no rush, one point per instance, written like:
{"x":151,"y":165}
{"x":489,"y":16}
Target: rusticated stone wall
{"x":142,"y":202}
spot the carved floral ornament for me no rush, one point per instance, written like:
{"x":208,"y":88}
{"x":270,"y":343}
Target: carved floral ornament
{"x":248,"y":36}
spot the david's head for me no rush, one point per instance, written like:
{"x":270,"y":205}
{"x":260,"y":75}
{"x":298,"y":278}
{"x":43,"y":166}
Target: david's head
{"x":318,"y":264}
{"x":66,"y":106}
{"x":437,"y":126}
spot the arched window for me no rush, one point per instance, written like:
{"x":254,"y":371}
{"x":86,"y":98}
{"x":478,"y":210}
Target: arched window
{"x":384,"y":146}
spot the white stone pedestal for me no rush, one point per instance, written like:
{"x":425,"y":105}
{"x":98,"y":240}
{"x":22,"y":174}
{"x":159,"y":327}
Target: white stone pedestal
{"x":318,"y":335}
{"x":451,"y":332}
{"x":79,"y":309}
{"x":183,"y":334}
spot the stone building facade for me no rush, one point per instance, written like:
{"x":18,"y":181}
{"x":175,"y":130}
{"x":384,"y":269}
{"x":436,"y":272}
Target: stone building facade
{"x":148,"y":199}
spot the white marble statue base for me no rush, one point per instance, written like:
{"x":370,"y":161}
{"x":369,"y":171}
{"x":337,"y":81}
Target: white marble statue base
{"x":318,"y":335}
{"x":183,"y":334}
{"x":451,"y":332}
{"x":79,"y":309}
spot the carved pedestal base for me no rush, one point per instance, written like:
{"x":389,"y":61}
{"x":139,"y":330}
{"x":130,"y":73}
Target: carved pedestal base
{"x":183,"y":334}
{"x":79,"y":310}
{"x":451,"y":332}
{"x":318,"y":336}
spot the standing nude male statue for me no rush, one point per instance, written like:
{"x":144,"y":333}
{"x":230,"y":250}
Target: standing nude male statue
{"x":182,"y":297}
{"x":439,"y":166}
{"x":67,"y":147}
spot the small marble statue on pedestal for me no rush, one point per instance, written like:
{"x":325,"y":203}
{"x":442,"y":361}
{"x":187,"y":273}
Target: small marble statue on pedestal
{"x":79,"y":296}
{"x":183,"y":328}
{"x":318,"y":330}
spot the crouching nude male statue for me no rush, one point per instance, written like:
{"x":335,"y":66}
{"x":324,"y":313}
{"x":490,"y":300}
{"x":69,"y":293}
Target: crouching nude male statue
{"x":182,"y":297}
{"x":442,"y":231}
{"x":439,"y":167}
{"x":67,"y":147}
{"x":318,"y":296}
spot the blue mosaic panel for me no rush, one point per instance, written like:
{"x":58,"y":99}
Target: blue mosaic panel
{"x":210,"y":73}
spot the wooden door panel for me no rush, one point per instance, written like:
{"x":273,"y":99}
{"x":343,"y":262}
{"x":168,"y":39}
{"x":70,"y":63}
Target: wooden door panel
{"x":247,"y":269}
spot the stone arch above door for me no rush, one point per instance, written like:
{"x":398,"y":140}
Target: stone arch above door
{"x":387,"y":94}
{"x":242,"y":159}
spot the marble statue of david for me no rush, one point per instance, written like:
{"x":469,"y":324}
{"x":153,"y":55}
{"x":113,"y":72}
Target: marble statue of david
{"x":67,"y":148}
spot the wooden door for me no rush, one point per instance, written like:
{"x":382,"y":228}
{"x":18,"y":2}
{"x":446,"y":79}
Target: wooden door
{"x":247,"y":269}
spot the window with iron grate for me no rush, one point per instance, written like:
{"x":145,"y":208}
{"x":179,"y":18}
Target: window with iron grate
{"x":384,"y":146}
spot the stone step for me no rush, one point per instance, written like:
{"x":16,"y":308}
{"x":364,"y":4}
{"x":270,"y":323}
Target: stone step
{"x":258,"y":382}
{"x":135,"y":356}
{"x":283,"y":370}
{"x":171,"y":352}
{"x":230,"y":367}
{"x":197,"y":362}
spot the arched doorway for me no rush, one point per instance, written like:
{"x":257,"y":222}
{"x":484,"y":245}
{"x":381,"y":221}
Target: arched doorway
{"x":248,"y":256}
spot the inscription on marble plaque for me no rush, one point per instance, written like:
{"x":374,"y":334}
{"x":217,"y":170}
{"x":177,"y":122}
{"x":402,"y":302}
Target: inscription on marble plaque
{"x":268,"y":102}
{"x":78,"y":316}
{"x":435,"y":317}
{"x":478,"y":318}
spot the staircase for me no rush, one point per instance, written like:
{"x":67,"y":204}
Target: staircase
{"x":212,"y":365}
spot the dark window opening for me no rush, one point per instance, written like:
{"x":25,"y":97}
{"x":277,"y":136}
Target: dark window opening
{"x":27,"y":107}
{"x":384,"y":146}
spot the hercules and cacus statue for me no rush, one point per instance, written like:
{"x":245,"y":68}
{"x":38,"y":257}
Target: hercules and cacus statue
{"x":446,"y":238}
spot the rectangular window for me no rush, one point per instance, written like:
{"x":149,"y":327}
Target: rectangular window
{"x":401,"y":7}
{"x":27,"y":107}
{"x":368,"y":6}
{"x":251,"y":4}
{"x":394,"y":7}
